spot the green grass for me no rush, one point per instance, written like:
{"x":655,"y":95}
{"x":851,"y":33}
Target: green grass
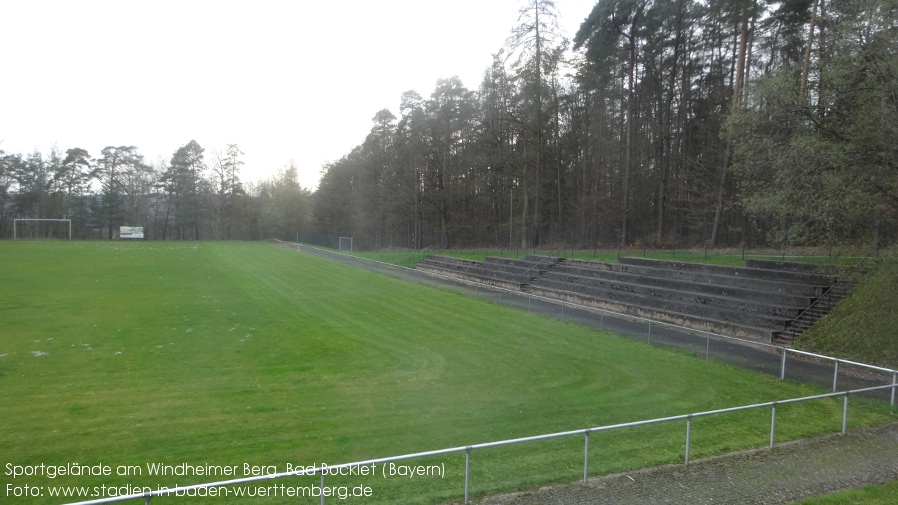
{"x":862,"y":326}
{"x":884,"y":494}
{"x":245,"y":353}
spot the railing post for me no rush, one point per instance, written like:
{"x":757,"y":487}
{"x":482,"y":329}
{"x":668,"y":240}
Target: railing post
{"x":586,"y":457}
{"x":649,"y":340}
{"x":845,"y":414}
{"x":772,"y":423}
{"x":688,"y":435}
{"x":322,"y":486}
{"x":147,"y":499}
{"x":836,"y":376}
{"x":467,"y":471}
{"x":894,"y":382}
{"x":602,"y":321}
{"x":783,"y":365}
{"x":708,"y":346}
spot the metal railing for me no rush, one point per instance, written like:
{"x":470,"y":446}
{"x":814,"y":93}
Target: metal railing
{"x":585,"y":432}
{"x":848,"y":276}
{"x":526,"y":275}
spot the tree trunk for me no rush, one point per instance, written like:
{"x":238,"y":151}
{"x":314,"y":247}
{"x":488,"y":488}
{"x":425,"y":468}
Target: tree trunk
{"x":629,"y":137}
{"x":805,"y":67}
{"x":668,"y":123}
{"x":737,"y":93}
{"x":538,"y":176}
{"x":557,"y":143}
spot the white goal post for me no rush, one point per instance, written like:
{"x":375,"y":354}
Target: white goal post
{"x":15,"y":225}
{"x":345,"y":244}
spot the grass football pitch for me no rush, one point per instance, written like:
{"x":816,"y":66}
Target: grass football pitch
{"x":250,"y":357}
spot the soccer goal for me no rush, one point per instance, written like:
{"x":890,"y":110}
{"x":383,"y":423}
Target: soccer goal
{"x":41,"y":228}
{"x":346,"y":244}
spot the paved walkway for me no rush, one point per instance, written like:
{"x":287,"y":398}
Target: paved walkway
{"x":787,"y":473}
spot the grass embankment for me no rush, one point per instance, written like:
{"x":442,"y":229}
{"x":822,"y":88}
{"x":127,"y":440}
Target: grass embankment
{"x":884,"y":494}
{"x":863,"y":326}
{"x":244,"y":354}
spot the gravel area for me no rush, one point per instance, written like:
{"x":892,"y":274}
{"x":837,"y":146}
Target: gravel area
{"x":787,"y":473}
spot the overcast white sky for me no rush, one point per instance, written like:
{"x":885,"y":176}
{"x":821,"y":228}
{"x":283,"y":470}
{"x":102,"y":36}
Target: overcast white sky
{"x":285,"y":80}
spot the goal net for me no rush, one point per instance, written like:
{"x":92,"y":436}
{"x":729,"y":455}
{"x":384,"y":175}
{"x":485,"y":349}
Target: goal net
{"x":41,"y":228}
{"x":345,"y":244}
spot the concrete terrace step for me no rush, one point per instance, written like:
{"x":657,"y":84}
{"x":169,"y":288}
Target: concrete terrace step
{"x":724,"y":287}
{"x":512,"y":284}
{"x":604,"y":287}
{"x":507,"y":277}
{"x":756,"y":303}
{"x":660,"y":308}
{"x":761,"y":280}
{"x":518,"y":266}
{"x":505,"y":272}
{"x":792,"y":266}
{"x":545,"y":260}
{"x":787,"y":276}
{"x":436,"y":259}
{"x":519,"y":262}
{"x":634,"y":308}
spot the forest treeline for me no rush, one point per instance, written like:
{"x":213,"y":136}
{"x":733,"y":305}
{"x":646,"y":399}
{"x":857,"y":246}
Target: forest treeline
{"x":194,"y":196}
{"x":660,"y":122}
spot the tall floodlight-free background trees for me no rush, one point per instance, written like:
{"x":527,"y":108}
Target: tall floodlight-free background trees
{"x":679,"y":122}
{"x":665,"y":123}
{"x":816,"y":145}
{"x":192,"y":196}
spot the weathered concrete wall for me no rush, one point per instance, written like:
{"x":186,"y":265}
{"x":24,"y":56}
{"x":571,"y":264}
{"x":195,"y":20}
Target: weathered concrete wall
{"x":731,"y":271}
{"x":688,"y":320}
{"x":731,"y":310}
{"x":766,"y":292}
{"x":471,"y":270}
{"x":753,"y":302}
{"x":791,"y":266}
{"x":750,"y":302}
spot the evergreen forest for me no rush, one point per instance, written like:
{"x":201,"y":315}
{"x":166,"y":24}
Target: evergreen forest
{"x":721,"y":123}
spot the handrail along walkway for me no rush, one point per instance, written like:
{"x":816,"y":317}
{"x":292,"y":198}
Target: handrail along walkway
{"x":789,"y":326}
{"x":526,"y":275}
